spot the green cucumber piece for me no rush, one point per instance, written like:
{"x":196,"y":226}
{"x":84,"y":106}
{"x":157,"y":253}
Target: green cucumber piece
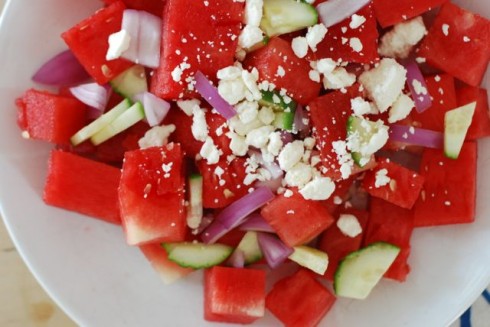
{"x":310,"y":258}
{"x":361,"y":133}
{"x":101,"y":122}
{"x":285,"y":16}
{"x":197,"y":255}
{"x":284,"y":112}
{"x":249,"y":245}
{"x":130,"y":82}
{"x":456,"y":124}
{"x":124,"y":121}
{"x":361,"y":270}
{"x":195,"y":209}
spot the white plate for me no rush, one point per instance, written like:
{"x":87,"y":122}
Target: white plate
{"x":99,"y":281}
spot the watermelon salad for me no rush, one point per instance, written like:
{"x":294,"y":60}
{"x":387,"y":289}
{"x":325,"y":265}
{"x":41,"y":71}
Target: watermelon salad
{"x":234,"y":136}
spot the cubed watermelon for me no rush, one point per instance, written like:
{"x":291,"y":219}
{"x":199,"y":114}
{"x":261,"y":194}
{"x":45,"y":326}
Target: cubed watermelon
{"x":88,"y":40}
{"x":449,"y":192}
{"x":154,"y":7}
{"x":458,"y":43}
{"x":196,"y":35}
{"x":234,"y":295}
{"x":299,"y":300}
{"x":389,"y":12}
{"x":151,"y":195}
{"x":296,"y":220}
{"x":278,"y":54}
{"x":50,"y":117}
{"x":92,"y":193}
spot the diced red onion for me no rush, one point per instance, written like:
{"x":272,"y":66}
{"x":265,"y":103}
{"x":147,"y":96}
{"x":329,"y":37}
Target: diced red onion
{"x":64,"y":69}
{"x":417,"y":136}
{"x":299,"y":121}
{"x":145,"y":31}
{"x":92,"y":94}
{"x":212,"y":96}
{"x":155,"y":108}
{"x":274,"y":250}
{"x":334,"y":11}
{"x":235,"y":213}
{"x":255,"y":222}
{"x":286,"y":137}
{"x":237,"y":259}
{"x":414,"y":75}
{"x":273,"y":184}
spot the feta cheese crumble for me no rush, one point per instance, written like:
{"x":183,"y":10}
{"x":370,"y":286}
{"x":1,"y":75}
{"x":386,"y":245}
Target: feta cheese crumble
{"x":315,"y":35}
{"x":156,"y":136}
{"x":320,"y":188}
{"x":401,"y":108}
{"x":382,"y":178}
{"x":118,"y":43}
{"x":349,"y":225}
{"x":300,"y":46}
{"x":399,"y":42}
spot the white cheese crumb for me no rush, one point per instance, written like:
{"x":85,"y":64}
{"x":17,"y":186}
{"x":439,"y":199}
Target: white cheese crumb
{"x":118,"y":43}
{"x":309,"y":143}
{"x":247,"y":111}
{"x":362,"y":107}
{"x":315,"y":35}
{"x":275,"y":143}
{"x":445,"y":29}
{"x":156,"y":136}
{"x":314,"y":75}
{"x":300,"y":46}
{"x":250,"y":36}
{"x":288,"y":193}
{"x":232,"y":91}
{"x":398,"y":42}
{"x":253,"y":12}
{"x":259,"y":137}
{"x":199,"y":126}
{"x":250,"y":80}
{"x":338,"y":79}
{"x":291,"y":154}
{"x":280,"y":71}
{"x":229,"y":73}
{"x":298,"y":175}
{"x":382,"y":178}
{"x":266,"y":115}
{"x":466,"y":39}
{"x":356,"y":44}
{"x":238,"y":146}
{"x":356,"y":21}
{"x":188,"y":106}
{"x":349,"y":225}
{"x":401,"y":108}
{"x":178,"y":71}
{"x":319,"y":188}
{"x":419,"y":88}
{"x":325,"y":65}
{"x":384,"y":83}
{"x":210,"y":151}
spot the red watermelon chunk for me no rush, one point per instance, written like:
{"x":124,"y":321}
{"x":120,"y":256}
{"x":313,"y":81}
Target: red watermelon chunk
{"x":223,"y":182}
{"x":50,"y":117}
{"x":458,"y":43}
{"x":234,"y":295}
{"x":449,"y":192}
{"x":392,"y":224}
{"x":88,"y":40}
{"x":154,"y":7}
{"x":83,"y":185}
{"x":337,"y":245}
{"x":296,"y":81}
{"x":299,"y":300}
{"x":336,"y":44}
{"x":168,"y":270}
{"x":403,"y":187}
{"x":198,"y":35}
{"x":151,"y":195}
{"x":296,"y":220}
{"x":329,"y":115}
{"x":443,"y":93}
{"x":390,"y":12}
{"x":480,"y":126}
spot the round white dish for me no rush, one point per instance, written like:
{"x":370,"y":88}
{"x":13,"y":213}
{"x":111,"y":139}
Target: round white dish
{"x":98,"y":280}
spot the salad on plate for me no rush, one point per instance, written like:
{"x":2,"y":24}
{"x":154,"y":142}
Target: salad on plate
{"x":238,"y":136}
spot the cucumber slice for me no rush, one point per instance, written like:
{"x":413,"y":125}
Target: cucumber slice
{"x":197,"y":255}
{"x":195,"y":210}
{"x":125,"y":120}
{"x":101,"y":122}
{"x":249,"y":245}
{"x":310,"y":258}
{"x":360,"y":271}
{"x":284,"y":112}
{"x":456,"y":124}
{"x":285,"y":16}
{"x":364,"y":138}
{"x":130,"y":82}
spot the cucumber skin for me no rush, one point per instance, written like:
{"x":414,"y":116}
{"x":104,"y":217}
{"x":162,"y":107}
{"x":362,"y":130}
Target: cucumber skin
{"x":170,"y":247}
{"x":354,"y":255}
